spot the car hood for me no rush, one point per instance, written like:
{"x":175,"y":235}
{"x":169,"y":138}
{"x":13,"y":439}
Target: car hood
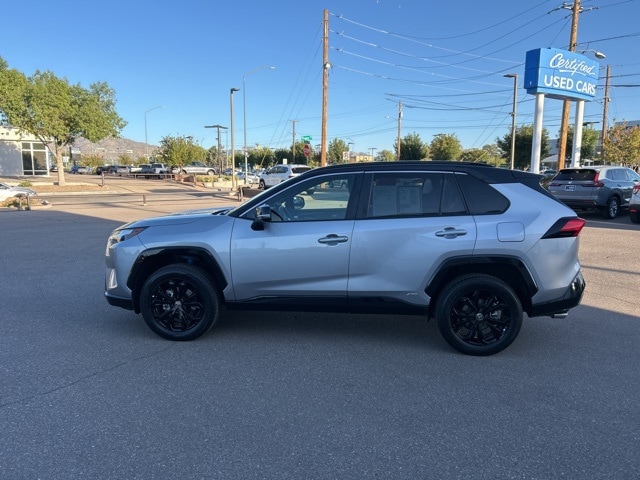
{"x":179,"y":218}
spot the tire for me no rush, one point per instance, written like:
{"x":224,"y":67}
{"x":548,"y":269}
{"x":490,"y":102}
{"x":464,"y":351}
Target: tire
{"x":180,"y":302}
{"x":261,"y":185}
{"x":612,"y":209}
{"x":210,"y":172}
{"x":635,"y":217}
{"x":479,"y":314}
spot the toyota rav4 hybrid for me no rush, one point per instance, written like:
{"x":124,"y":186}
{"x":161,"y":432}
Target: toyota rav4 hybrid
{"x":469,"y":245}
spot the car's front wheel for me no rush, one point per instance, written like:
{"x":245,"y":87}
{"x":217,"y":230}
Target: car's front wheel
{"x":479,"y":314}
{"x":180,"y":302}
{"x":612,"y":209}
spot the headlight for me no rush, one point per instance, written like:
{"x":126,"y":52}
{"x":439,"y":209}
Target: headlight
{"x":123,"y":234}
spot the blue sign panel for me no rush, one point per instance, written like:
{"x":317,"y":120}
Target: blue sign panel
{"x":560,"y":74}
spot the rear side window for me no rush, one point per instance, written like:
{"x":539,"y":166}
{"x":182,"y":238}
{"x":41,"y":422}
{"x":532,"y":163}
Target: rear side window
{"x":416,"y":194}
{"x":481,"y":198}
{"x":571,"y":174}
{"x":300,"y":169}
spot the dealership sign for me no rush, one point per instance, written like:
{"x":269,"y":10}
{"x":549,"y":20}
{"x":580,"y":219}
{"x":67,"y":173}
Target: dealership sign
{"x":560,"y":74}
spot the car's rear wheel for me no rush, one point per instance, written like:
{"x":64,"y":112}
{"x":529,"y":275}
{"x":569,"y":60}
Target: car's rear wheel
{"x":180,"y":302}
{"x":479,"y":314}
{"x":612,"y":209}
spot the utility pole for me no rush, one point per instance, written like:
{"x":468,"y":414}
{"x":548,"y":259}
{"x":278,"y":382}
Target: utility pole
{"x":604,"y":112}
{"x":219,"y":144}
{"x":325,"y":87}
{"x":566,"y":104}
{"x":293,"y":144}
{"x":399,"y":129}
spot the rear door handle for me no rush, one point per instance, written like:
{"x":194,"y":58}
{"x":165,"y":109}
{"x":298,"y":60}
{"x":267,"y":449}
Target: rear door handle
{"x":451,"y":232}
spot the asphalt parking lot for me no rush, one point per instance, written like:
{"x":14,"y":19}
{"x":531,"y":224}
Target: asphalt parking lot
{"x":87,"y":391}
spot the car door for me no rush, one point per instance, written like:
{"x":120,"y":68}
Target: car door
{"x":410,"y":224}
{"x":302,"y":253}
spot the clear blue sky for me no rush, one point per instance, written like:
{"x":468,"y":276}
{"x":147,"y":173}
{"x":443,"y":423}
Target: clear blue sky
{"x":444,"y":60}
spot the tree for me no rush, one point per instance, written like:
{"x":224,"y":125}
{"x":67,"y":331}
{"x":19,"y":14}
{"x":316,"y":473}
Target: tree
{"x":622,"y":145}
{"x":487,"y":154}
{"x":524,"y":142}
{"x":588,"y":145}
{"x":412,"y":148}
{"x":56,"y":112}
{"x":180,"y":150}
{"x":335,"y":151}
{"x":386,"y":156}
{"x":260,"y":157}
{"x":445,"y":147}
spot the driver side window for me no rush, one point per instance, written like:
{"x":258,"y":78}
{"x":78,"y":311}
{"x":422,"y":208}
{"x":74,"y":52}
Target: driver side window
{"x":319,"y":199}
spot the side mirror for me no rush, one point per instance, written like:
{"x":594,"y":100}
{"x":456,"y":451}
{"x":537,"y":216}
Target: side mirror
{"x":298,"y":202}
{"x":263,"y":214}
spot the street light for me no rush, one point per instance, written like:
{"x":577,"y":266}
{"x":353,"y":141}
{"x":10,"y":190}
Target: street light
{"x":513,"y":116}
{"x":146,"y":143}
{"x":233,"y":153}
{"x":372,"y":149}
{"x":596,"y":53}
{"x":244,"y":115}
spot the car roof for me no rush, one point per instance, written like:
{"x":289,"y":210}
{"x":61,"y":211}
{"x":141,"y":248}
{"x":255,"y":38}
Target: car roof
{"x":484,"y":171}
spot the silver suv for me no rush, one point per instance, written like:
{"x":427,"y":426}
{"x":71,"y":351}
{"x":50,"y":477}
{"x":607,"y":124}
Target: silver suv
{"x":607,"y":189}
{"x":280,"y":173}
{"x":470,"y":245}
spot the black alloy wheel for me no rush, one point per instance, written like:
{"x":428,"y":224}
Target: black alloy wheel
{"x":180,"y":302}
{"x":479,"y":314}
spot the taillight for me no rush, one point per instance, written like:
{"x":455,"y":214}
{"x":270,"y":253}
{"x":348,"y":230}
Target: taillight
{"x":566,"y":227}
{"x":636,"y":188}
{"x":596,"y":182}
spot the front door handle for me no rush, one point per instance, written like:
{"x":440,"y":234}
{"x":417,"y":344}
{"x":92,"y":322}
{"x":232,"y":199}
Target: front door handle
{"x":333,"y":239}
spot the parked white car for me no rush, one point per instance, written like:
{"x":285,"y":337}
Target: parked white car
{"x":280,"y":173}
{"x":8,"y":191}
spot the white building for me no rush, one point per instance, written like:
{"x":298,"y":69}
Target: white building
{"x":22,"y":154}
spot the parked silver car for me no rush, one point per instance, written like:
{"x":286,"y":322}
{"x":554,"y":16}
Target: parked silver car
{"x":471,"y":245}
{"x":195,"y":168}
{"x":606,"y":188}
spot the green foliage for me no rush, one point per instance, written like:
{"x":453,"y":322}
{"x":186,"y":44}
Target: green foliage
{"x":588,"y":145}
{"x":57,"y":112}
{"x":445,"y":147}
{"x":335,"y":150}
{"x":524,"y":142}
{"x":412,"y":148}
{"x":622,"y":145}
{"x":487,"y":154}
{"x":386,"y":156}
{"x":260,"y":157}
{"x":93,"y":160}
{"x":25,"y":183}
{"x":180,"y":150}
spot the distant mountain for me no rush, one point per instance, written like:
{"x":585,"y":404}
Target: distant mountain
{"x":111,"y":149}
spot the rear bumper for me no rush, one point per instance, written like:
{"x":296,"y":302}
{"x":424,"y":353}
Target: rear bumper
{"x":559,"y":306}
